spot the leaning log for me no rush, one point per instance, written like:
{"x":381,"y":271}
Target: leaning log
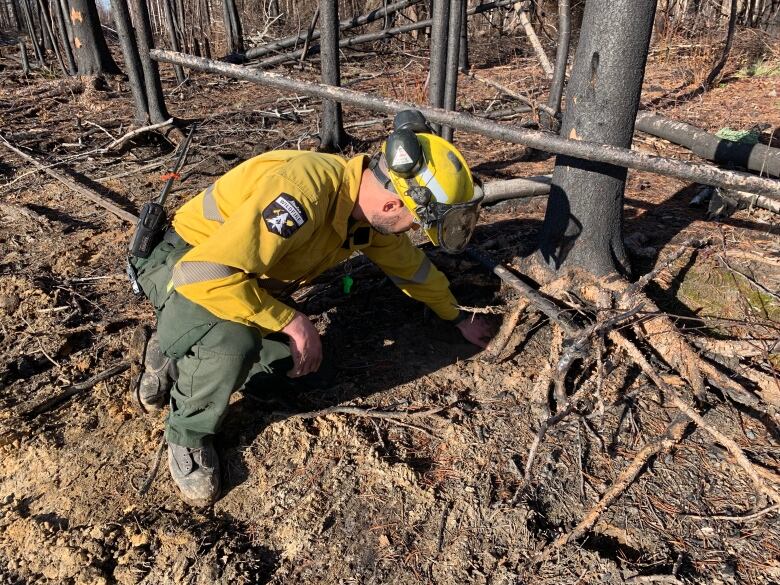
{"x":695,"y":172}
{"x":756,"y":157}
{"x":346,"y":24}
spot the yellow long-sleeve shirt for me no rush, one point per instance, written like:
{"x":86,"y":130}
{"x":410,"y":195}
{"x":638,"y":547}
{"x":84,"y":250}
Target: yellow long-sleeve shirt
{"x":282,"y":218}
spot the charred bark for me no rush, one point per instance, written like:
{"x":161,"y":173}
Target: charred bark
{"x":463,"y":59}
{"x":62,"y":29}
{"x":235,"y":36}
{"x":583,"y":225}
{"x":552,"y":122}
{"x":453,"y":58}
{"x":49,"y":34}
{"x":437,"y":73}
{"x":132,"y":58}
{"x":151,"y":73}
{"x":755,"y":157}
{"x":332,"y":135}
{"x":29,"y":26}
{"x":173,"y":38}
{"x":91,"y":52}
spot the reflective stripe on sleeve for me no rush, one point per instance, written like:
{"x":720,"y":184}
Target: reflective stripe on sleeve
{"x":419,"y":277}
{"x":210,"y":209}
{"x":192,"y":272}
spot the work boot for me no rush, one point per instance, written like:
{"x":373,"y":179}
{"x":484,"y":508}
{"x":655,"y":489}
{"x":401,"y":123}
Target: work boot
{"x":154,"y":372}
{"x":196,"y":473}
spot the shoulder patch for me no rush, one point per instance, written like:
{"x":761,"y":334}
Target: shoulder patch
{"x":284,"y":216}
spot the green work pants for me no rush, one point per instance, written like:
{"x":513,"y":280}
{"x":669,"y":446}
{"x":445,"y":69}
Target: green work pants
{"x":214,"y":357}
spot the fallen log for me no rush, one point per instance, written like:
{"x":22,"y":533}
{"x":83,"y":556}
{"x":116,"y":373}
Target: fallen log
{"x":377,"y":36}
{"x":624,"y":157}
{"x":756,"y":157}
{"x":496,"y":191}
{"x":349,"y":23}
{"x":74,"y":186}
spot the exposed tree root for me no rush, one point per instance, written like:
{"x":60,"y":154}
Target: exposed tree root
{"x":733,"y":449}
{"x":673,"y":435}
{"x":611,"y":309}
{"x":499,"y":342}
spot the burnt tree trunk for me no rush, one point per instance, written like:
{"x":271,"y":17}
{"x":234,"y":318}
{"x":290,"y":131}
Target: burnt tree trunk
{"x":151,"y":72}
{"x":233,"y":32}
{"x":437,"y":74}
{"x":453,"y":57}
{"x":463,"y":58}
{"x":332,"y":135}
{"x":62,"y":29}
{"x":16,"y":20}
{"x":49,"y":34}
{"x":174,"y":40}
{"x":559,"y":73}
{"x":29,"y":26}
{"x":92,"y":54}
{"x":43,"y":21}
{"x":583,"y":225}
{"x":135,"y":74}
{"x":65,"y":11}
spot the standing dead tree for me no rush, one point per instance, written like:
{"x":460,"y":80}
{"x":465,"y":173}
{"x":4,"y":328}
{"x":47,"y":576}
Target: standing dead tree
{"x":173,"y":37}
{"x":142,"y":72}
{"x":583,"y":226}
{"x":234,"y":35}
{"x":62,"y":29}
{"x":437,"y":71}
{"x":551,"y":120}
{"x":332,"y":135}
{"x":453,"y":61}
{"x":91,"y":52}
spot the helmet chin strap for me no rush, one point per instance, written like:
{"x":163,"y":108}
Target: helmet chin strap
{"x":378,"y":166}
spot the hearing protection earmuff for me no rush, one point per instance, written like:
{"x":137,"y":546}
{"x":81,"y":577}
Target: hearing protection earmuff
{"x":403,"y":153}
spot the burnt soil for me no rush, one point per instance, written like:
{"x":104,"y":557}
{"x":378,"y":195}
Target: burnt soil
{"x":340,"y":498}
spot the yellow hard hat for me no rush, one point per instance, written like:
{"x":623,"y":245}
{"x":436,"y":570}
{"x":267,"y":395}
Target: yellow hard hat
{"x":433,"y":180}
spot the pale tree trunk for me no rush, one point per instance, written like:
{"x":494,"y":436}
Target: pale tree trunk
{"x":583,"y":225}
{"x":332,"y":135}
{"x":91,"y":51}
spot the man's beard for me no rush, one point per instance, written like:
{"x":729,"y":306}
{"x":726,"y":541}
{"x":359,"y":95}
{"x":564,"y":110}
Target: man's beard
{"x":386,"y":225}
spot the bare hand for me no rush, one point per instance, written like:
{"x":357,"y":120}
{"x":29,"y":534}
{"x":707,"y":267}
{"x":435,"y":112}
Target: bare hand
{"x":305,"y":346}
{"x":477,"y":330}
